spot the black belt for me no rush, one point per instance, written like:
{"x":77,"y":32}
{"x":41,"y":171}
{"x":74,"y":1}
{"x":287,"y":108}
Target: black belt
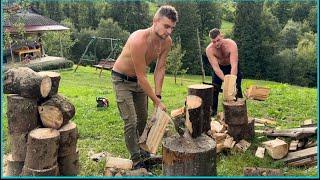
{"x":123,"y":76}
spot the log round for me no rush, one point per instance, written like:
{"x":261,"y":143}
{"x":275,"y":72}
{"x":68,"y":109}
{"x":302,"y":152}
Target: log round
{"x":194,"y":115}
{"x":185,"y":156}
{"x":68,"y":139}
{"x":53,"y":171}
{"x":42,"y":148}
{"x":237,"y":131}
{"x":55,"y":79}
{"x":235,"y":112}
{"x":249,"y":132}
{"x":18,"y":144}
{"x":69,"y":165}
{"x":205,"y":92}
{"x":14,"y":168}
{"x":27,"y":83}
{"x":22,"y":114}
{"x":50,"y":108}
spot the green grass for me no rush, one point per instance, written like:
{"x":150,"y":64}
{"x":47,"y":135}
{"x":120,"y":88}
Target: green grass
{"x":226,"y":27}
{"x":102,"y":130}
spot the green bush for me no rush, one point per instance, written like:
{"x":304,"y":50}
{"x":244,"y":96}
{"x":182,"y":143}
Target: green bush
{"x":51,"y":65}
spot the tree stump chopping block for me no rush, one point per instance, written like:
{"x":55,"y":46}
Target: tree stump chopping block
{"x":56,"y":111}
{"x":14,"y":168}
{"x":69,"y":165}
{"x":194,"y":115}
{"x":235,"y":112}
{"x":205,"y":92}
{"x":185,"y":156}
{"x":27,"y":83}
{"x":42,"y":148}
{"x":249,"y":130}
{"x":68,"y":139}
{"x":53,"y":171}
{"x":55,"y":79}
{"x":22,"y":114}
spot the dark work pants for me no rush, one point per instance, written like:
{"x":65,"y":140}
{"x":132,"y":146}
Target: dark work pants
{"x":217,"y":82}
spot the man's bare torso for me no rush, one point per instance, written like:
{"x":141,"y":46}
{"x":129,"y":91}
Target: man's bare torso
{"x":152,"y":51}
{"x":223,"y":53}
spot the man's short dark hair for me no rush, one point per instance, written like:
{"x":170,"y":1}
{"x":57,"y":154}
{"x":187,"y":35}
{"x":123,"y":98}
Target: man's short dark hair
{"x":167,"y":11}
{"x":214,"y":33}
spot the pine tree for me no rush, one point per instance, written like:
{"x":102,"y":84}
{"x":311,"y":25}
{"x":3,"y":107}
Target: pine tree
{"x":248,"y":37}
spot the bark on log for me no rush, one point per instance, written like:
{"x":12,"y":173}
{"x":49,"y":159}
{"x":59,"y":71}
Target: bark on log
{"x":42,"y":148}
{"x":69,"y":165}
{"x":205,"y":92}
{"x":55,"y":79}
{"x":18,"y":144}
{"x":68,"y":139}
{"x":52,"y":171}
{"x":27,"y":83}
{"x":14,"y":168}
{"x":189,"y":157}
{"x":194,"y":115}
{"x":22,"y":114}
{"x":178,"y":117}
{"x":235,"y":112}
{"x":56,"y":111}
{"x":249,"y":130}
{"x":237,"y":131}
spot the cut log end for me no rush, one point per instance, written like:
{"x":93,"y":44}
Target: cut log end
{"x":49,"y":73}
{"x":50,"y":116}
{"x":200,"y":86}
{"x":45,"y":86}
{"x":68,"y":126}
{"x":239,"y":102}
{"x":44,"y":133}
{"x":193,"y":102}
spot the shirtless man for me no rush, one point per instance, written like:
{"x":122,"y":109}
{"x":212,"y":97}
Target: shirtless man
{"x":223,"y":57}
{"x":130,"y":79}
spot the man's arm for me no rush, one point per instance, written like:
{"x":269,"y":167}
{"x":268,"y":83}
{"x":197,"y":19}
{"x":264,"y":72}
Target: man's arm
{"x":161,"y":67}
{"x":214,"y":63}
{"x":138,"y":50}
{"x":233,"y":58}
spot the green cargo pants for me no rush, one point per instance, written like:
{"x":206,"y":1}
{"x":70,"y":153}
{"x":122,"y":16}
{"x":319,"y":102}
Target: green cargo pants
{"x":133,"y":107}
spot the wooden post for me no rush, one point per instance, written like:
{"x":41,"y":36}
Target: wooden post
{"x":205,"y":92}
{"x":184,"y":156}
{"x":42,"y":149}
{"x":68,"y":139}
{"x":55,"y":79}
{"x":56,"y":111}
{"x":27,"y":83}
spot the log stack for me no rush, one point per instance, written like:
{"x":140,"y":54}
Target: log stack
{"x":192,"y":152}
{"x":42,"y":137}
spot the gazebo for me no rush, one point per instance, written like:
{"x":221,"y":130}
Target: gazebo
{"x":34,"y":25}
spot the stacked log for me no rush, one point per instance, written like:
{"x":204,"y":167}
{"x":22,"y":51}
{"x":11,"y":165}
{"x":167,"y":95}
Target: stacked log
{"x":192,"y":152}
{"x":35,"y":115}
{"x":235,"y":116}
{"x":205,"y":92}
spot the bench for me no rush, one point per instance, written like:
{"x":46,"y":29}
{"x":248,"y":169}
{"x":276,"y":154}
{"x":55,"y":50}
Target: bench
{"x":26,"y":51}
{"x":104,"y":64}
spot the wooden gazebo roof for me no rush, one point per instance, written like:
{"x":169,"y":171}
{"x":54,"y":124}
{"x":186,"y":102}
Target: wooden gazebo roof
{"x":34,"y":23}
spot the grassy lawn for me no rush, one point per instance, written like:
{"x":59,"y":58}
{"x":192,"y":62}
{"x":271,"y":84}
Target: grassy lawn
{"x":226,"y":27}
{"x":102,"y":130}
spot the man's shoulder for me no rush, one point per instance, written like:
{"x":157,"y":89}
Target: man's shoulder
{"x":231,"y":42}
{"x":137,"y":37}
{"x":210,"y":47}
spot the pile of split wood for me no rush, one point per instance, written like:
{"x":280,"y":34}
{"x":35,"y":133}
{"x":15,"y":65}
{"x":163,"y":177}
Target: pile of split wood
{"x":116,"y":166}
{"x":42,"y":138}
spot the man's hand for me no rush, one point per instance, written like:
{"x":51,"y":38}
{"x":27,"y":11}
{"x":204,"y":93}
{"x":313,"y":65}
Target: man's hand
{"x":160,"y":105}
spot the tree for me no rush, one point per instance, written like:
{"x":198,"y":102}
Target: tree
{"x":247,"y":35}
{"x":282,"y":10}
{"x":174,"y":62}
{"x":131,"y":15}
{"x":186,"y":31}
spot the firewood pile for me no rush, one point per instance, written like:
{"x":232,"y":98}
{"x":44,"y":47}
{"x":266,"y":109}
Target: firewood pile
{"x":42,"y":138}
